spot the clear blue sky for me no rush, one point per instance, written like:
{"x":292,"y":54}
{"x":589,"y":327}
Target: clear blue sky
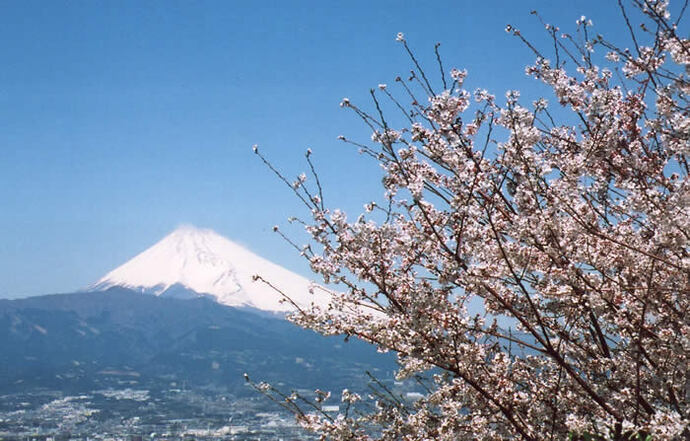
{"x":120,"y":120}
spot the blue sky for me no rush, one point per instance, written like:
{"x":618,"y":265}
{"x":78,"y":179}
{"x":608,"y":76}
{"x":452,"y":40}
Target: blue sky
{"x":121,"y":120}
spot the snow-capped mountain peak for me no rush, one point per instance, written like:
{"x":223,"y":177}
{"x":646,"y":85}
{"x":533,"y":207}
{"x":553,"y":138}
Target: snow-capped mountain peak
{"x":203,"y":261}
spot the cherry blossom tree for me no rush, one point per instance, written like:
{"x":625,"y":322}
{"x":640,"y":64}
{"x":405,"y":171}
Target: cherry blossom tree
{"x":536,"y":272}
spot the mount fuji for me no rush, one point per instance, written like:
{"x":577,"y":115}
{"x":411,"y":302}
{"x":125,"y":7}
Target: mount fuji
{"x":192,"y":262}
{"x":112,"y":336}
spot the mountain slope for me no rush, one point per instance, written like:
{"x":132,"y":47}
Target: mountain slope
{"x":192,"y":261}
{"x":83,"y":340}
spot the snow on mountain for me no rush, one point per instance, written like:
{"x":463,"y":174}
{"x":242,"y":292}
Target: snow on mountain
{"x":202,"y":261}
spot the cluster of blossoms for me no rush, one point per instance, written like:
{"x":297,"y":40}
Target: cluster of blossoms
{"x":542,"y":283}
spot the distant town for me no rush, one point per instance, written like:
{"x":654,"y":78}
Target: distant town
{"x":136,"y":414}
{"x":170,"y":412}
